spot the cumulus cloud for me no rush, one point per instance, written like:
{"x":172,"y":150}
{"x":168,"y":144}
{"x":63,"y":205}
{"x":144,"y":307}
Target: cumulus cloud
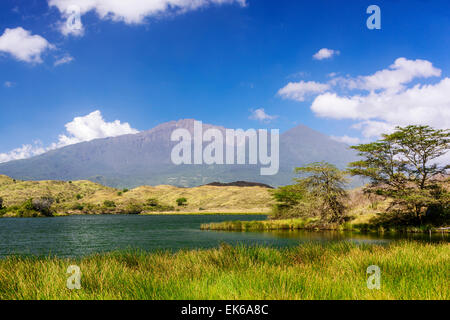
{"x":391,"y":97}
{"x":261,"y":115}
{"x":299,"y":90}
{"x":394,"y":78}
{"x":9,"y":84}
{"x":80,"y":129}
{"x":26,"y":151}
{"x":347,"y":140}
{"x":421,"y":104}
{"x":132,"y":11}
{"x":325,"y":53}
{"x":24,"y":46}
{"x":371,"y":128}
{"x":91,"y":127}
{"x":63,"y":60}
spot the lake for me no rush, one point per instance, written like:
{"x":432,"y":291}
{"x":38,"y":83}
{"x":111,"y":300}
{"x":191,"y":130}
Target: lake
{"x":75,"y":236}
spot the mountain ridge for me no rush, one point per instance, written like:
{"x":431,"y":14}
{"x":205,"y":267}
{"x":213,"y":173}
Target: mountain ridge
{"x":143,"y":158}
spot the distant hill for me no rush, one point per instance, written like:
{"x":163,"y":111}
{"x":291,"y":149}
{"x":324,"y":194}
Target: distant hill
{"x":76,"y":197}
{"x":144,"y":159}
{"x":239,"y":184}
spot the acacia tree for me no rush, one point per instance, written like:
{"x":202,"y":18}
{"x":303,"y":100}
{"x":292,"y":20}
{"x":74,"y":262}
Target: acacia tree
{"x":403,"y":166}
{"x":326,"y":187}
{"x":290,"y":201}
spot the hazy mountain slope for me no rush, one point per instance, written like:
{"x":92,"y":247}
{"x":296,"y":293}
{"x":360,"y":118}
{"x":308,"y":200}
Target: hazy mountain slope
{"x":144,"y":159}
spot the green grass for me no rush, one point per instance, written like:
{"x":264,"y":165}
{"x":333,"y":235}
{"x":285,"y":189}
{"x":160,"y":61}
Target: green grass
{"x":265,"y":225}
{"x":203,"y":213}
{"x":410,"y":270}
{"x":312,"y":224}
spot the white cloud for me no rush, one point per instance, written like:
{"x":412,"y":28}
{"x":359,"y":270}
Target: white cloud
{"x":26,"y":151}
{"x":403,"y":71}
{"x":420,"y":104}
{"x":24,"y":46}
{"x":332,"y":74}
{"x":346,"y":139}
{"x":261,"y":115}
{"x":325,"y":53}
{"x":91,"y":127}
{"x":80,"y":129}
{"x":385,"y":99}
{"x":72,"y":24}
{"x":371,"y":128}
{"x":63,"y":60}
{"x":132,"y":11}
{"x":299,"y":90}
{"x":9,"y":84}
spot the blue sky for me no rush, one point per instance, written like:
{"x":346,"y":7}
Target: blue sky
{"x":219,"y":63}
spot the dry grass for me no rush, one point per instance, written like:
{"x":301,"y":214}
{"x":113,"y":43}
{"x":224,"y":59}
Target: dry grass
{"x":205,"y":199}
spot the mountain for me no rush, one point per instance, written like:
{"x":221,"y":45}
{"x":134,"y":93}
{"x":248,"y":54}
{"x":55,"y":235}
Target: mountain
{"x":145,"y":159}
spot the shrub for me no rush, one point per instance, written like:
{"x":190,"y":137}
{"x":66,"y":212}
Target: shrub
{"x":152,"y":202}
{"x":79,"y":196}
{"x":109,"y":204}
{"x":77,"y":206}
{"x":125,"y":190}
{"x":1,"y":203}
{"x":43,"y":205}
{"x":181,"y":202}
{"x":133,"y":208}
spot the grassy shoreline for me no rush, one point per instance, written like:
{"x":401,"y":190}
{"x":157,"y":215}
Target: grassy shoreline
{"x":168,"y":213}
{"x":409,"y":270}
{"x":311,"y":224}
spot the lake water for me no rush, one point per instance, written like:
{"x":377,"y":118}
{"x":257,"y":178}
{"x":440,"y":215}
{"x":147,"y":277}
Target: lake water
{"x":75,"y":236}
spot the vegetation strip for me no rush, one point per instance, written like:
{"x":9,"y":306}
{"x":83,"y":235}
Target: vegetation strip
{"x":409,"y":270}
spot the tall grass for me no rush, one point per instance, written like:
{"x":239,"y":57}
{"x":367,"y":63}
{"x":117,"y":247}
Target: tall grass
{"x":265,"y":225}
{"x":313,"y":224}
{"x":410,"y":270}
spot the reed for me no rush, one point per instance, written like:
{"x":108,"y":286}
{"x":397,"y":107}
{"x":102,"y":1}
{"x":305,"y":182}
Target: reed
{"x":409,"y":270}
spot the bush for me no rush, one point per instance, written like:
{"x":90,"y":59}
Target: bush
{"x":43,"y":205}
{"x":77,"y":206}
{"x":79,"y":196}
{"x":181,"y":202}
{"x":2,"y":208}
{"x":125,"y":190}
{"x":133,"y":208}
{"x":152,"y":202}
{"x":109,"y":204}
